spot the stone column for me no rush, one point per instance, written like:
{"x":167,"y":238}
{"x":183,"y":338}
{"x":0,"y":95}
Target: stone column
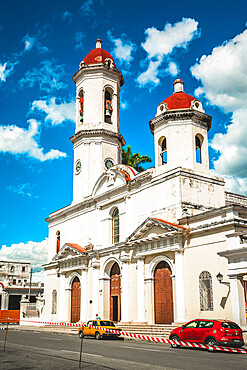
{"x":84,"y":302}
{"x":125,"y":311}
{"x":62,"y":301}
{"x":179,"y":284}
{"x":95,"y":308}
{"x":238,"y":300}
{"x":140,"y":290}
{"x":149,"y":300}
{"x":5,"y":301}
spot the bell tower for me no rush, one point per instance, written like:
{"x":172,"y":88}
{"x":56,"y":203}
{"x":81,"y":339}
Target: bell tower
{"x":180,"y":131}
{"x":97,"y":139}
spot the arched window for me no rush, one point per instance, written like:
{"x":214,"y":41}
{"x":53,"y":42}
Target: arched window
{"x":115,"y":226}
{"x":163,"y":152}
{"x":108,"y":105}
{"x":54,"y":302}
{"x":81,"y":105}
{"x":58,"y":241}
{"x":198,"y":149}
{"x":206,"y":291}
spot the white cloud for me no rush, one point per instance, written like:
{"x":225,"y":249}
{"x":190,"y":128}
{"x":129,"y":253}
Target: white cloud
{"x":151,"y":74}
{"x":223,"y":74}
{"x":49,"y":77}
{"x":34,"y":252}
{"x":123,"y":48}
{"x":29,"y":42}
{"x":160,"y":44}
{"x":87,"y":8}
{"x":172,"y":69}
{"x":24,"y":190}
{"x":124,"y":104}
{"x":55,"y":113}
{"x":17,"y":140}
{"x":6,"y":69}
{"x":33,"y":41}
{"x":223,"y":77}
{"x":79,"y":36}
{"x":67,"y":16}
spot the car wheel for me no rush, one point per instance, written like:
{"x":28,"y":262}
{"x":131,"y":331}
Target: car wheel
{"x":211,"y":342}
{"x":81,"y":334}
{"x":97,"y":335}
{"x":174,"y":337}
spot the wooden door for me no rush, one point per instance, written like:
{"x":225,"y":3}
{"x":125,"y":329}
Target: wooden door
{"x":115,"y":293}
{"x":163,"y":296}
{"x":75,"y":300}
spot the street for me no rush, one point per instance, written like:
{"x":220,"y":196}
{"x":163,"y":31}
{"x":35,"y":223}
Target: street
{"x":44,"y":350}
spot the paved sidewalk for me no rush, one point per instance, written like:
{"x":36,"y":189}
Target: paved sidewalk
{"x":43,"y":328}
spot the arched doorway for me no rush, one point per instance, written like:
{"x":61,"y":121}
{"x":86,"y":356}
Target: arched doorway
{"x":163,"y":297}
{"x":115,"y":293}
{"x":75,"y":300}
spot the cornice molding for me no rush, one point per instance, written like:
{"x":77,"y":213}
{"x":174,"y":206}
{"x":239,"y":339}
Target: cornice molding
{"x":181,"y":114}
{"x":92,"y":68}
{"x":96,"y":133}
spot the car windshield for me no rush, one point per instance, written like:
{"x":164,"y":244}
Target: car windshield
{"x":230,"y":325}
{"x":107,"y":323}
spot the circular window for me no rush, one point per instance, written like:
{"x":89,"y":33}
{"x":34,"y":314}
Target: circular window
{"x":77,"y":166}
{"x":108,"y":163}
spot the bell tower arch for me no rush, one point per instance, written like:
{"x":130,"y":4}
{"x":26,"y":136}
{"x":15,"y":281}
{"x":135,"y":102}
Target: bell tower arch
{"x":97,"y":139}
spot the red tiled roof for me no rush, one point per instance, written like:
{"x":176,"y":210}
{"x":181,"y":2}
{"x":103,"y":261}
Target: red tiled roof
{"x":97,"y":55}
{"x":170,"y":223}
{"x":76,"y":246}
{"x":179,"y":100}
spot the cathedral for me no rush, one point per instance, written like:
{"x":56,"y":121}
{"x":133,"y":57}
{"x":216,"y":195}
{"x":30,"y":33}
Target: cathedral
{"x":162,"y":246}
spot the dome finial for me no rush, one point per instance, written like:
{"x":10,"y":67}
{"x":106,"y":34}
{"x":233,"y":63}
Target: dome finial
{"x":98,"y":43}
{"x":178,"y":85}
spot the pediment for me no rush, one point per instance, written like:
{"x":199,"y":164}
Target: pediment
{"x":153,"y":227}
{"x":113,"y":178}
{"x":69,"y":250}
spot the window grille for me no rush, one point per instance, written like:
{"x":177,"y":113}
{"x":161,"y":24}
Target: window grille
{"x":163,"y":152}
{"x":54,"y":302}
{"x":115,"y":226}
{"x":198,"y":150}
{"x":206,"y":291}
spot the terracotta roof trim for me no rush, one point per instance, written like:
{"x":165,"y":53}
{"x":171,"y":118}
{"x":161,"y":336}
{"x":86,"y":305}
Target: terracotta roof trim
{"x":170,"y":223}
{"x":77,"y":247}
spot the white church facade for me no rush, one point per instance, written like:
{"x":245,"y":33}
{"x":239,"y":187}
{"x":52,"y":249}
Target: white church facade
{"x":165,"y":245}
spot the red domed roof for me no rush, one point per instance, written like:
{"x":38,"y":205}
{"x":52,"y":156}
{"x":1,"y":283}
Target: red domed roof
{"x":179,"y":100}
{"x":98,"y":55}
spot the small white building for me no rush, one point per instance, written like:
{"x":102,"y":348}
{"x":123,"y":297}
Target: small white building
{"x":144,"y":247}
{"x":15,"y":283}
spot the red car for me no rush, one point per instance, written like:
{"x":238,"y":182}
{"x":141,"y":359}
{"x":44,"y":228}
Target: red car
{"x":211,"y":332}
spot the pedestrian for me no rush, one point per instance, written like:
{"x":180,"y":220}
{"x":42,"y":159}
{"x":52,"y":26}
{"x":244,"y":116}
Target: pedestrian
{"x":97,"y":317}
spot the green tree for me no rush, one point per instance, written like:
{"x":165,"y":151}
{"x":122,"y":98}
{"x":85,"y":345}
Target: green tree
{"x":134,"y":159}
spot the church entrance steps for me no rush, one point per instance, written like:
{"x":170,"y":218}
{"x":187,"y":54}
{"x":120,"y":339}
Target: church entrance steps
{"x":155,"y":330}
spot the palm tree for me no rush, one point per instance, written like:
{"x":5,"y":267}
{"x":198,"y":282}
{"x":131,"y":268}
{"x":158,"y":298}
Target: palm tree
{"x":134,"y":160}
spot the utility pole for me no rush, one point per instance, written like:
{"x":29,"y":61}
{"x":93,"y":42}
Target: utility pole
{"x":30,"y":284}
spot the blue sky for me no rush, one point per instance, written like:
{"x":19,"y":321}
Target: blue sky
{"x":41,"y":46}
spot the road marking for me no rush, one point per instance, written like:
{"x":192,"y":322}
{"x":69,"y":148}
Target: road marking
{"x":84,"y":353}
{"x":143,"y":349}
{"x":50,"y":338}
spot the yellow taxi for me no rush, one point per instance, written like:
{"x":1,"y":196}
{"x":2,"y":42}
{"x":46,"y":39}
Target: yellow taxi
{"x":99,"y":332}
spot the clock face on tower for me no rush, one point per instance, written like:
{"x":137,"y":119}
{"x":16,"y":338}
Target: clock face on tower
{"x":108,"y":163}
{"x":77,"y":166}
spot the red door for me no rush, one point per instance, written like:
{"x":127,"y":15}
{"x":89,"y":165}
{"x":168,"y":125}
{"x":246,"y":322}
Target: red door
{"x":75,"y":300}
{"x":115,"y":293}
{"x":163,"y":297}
